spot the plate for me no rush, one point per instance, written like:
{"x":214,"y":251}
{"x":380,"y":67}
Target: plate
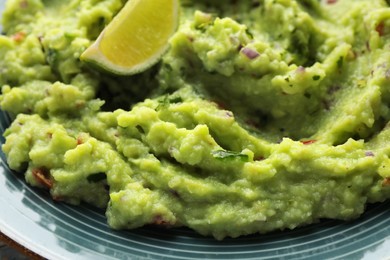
{"x":60,"y":231}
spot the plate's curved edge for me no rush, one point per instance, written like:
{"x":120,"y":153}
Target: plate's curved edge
{"x":15,"y":233}
{"x":5,"y":229}
{"x":22,"y":242}
{"x":382,"y":251}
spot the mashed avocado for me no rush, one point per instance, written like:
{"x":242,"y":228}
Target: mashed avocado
{"x":264,"y":114}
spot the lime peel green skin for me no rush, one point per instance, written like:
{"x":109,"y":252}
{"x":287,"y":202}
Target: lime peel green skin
{"x":190,"y":154}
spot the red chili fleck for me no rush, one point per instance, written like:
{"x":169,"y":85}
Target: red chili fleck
{"x":380,"y":28}
{"x":57,"y":198}
{"x":252,"y":123}
{"x":259,"y":158}
{"x":18,"y":37}
{"x":220,"y":105}
{"x":331,"y":2}
{"x":42,"y":175}
{"x":23,"y":4}
{"x":386,"y":182}
{"x":80,"y":104}
{"x":160,"y":221}
{"x":79,"y":140}
{"x":307,"y":142}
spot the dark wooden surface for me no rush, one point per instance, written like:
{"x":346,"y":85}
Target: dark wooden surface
{"x":10,"y":250}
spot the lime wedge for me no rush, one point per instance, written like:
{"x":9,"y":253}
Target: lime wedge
{"x":136,"y":38}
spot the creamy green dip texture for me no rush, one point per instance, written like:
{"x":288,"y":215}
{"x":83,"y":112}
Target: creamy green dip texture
{"x":264,"y":114}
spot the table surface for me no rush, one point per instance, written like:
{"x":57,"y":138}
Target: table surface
{"x":11,"y":250}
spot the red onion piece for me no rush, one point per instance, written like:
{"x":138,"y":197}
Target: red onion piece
{"x":250,"y":53}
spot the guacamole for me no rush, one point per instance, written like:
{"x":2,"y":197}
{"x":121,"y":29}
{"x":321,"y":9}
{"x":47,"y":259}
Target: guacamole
{"x":263,"y":115}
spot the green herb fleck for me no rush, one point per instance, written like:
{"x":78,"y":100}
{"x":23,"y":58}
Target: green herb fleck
{"x":202,"y":27}
{"x":163,"y":102}
{"x":249,"y":33}
{"x":316,"y":77}
{"x":52,"y":56}
{"x":340,"y":62}
{"x":140,"y":129}
{"x":166,"y":100}
{"x":230,"y":155}
{"x":96,"y":177}
{"x":174,"y":100}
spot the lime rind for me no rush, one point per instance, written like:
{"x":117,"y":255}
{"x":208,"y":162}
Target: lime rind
{"x":94,"y":55}
{"x":96,"y":58}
